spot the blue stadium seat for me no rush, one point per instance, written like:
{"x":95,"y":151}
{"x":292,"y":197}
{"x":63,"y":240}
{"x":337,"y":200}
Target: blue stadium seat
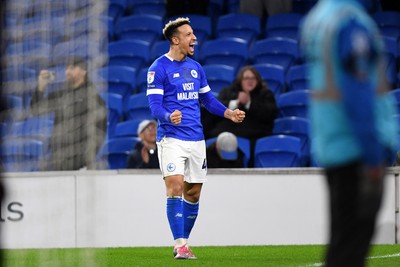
{"x":275,"y":50}
{"x":143,"y":27}
{"x":151,"y":7}
{"x":298,"y":127}
{"x":114,"y":105}
{"x":297,"y":78}
{"x":294,"y":103}
{"x":29,"y":54}
{"x":127,"y":128}
{"x":22,"y":155}
{"x":273,"y":75}
{"x":228,"y":51}
{"x":117,"y":8}
{"x":388,"y":23}
{"x":89,"y":24}
{"x":159,"y":48}
{"x":239,"y":25}
{"x":132,"y":53}
{"x":219,"y":76}
{"x":201,"y":25}
{"x":243,"y":145}
{"x":277,"y":151}
{"x":137,"y":107}
{"x":119,"y":79}
{"x":115,"y":151}
{"x":39,"y":127}
{"x":80,"y":47}
{"x":233,"y":6}
{"x":283,"y":25}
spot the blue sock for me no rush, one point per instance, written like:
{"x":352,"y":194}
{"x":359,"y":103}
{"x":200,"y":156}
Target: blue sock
{"x":175,"y":216}
{"x":190,"y":212}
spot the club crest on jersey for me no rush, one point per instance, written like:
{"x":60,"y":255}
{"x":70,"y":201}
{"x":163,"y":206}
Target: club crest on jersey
{"x":171,"y":167}
{"x":194,"y":73}
{"x":150,"y":76}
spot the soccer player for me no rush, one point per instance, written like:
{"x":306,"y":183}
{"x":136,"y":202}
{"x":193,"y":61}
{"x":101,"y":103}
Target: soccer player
{"x":176,"y":83}
{"x":353,"y":130}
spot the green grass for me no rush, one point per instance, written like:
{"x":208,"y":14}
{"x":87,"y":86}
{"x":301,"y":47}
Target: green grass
{"x":274,"y":256}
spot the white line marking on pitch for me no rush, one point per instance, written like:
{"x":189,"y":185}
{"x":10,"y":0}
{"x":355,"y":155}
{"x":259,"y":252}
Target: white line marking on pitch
{"x":372,"y":257}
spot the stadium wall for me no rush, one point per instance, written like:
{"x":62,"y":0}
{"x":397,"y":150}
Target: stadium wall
{"x":127,"y":208}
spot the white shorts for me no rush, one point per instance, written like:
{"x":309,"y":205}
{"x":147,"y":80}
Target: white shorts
{"x":187,"y":158}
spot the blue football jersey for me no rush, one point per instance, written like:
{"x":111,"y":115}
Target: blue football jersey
{"x":179,"y":84}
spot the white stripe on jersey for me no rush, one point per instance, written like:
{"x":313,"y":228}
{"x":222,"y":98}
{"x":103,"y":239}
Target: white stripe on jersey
{"x":155,"y":91}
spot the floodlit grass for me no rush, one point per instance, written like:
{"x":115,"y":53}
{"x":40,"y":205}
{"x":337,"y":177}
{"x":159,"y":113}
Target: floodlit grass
{"x":274,"y":256}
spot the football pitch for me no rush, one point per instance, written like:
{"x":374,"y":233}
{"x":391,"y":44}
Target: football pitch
{"x":243,"y":256}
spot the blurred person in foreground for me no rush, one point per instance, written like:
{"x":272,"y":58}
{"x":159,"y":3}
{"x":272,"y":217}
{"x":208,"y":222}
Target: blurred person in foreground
{"x":224,"y":152}
{"x":80,"y":117}
{"x":352,"y":127}
{"x":176,"y":86}
{"x":144,"y":155}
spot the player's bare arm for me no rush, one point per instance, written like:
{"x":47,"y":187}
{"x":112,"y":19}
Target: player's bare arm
{"x":237,"y":115}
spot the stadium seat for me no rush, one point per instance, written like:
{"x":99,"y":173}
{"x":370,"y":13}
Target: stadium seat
{"x":80,"y":47}
{"x":137,"y":107}
{"x":131,"y":53}
{"x":39,"y":127}
{"x":142,"y":27}
{"x":159,"y":48}
{"x":388,"y":23}
{"x":228,"y":51}
{"x":29,"y":54}
{"x":115,"y":151}
{"x":22,"y":155}
{"x":243,"y":145}
{"x":114,"y":105}
{"x":297,"y":78}
{"x":117,"y":8}
{"x":219,"y":76}
{"x":233,"y":6}
{"x":298,"y":127}
{"x":275,"y":50}
{"x":127,"y":128}
{"x":151,"y":7}
{"x":273,"y":75}
{"x":85,"y":25}
{"x":277,"y":151}
{"x":202,"y":26}
{"x":239,"y":25}
{"x":294,"y":103}
{"x":283,"y":25}
{"x":119,"y":79}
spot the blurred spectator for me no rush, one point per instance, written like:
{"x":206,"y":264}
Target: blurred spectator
{"x":224,"y":153}
{"x":80,"y":117}
{"x":248,"y":93}
{"x":265,"y":8}
{"x":183,"y":7}
{"x":144,"y":155}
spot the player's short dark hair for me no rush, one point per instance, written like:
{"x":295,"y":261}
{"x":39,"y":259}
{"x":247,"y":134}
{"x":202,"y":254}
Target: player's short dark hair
{"x":170,"y":28}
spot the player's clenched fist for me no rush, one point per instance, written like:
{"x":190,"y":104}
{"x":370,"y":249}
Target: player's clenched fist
{"x":176,"y":117}
{"x":236,"y":115}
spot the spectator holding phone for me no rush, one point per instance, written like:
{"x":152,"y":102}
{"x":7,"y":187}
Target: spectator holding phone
{"x":80,"y":117}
